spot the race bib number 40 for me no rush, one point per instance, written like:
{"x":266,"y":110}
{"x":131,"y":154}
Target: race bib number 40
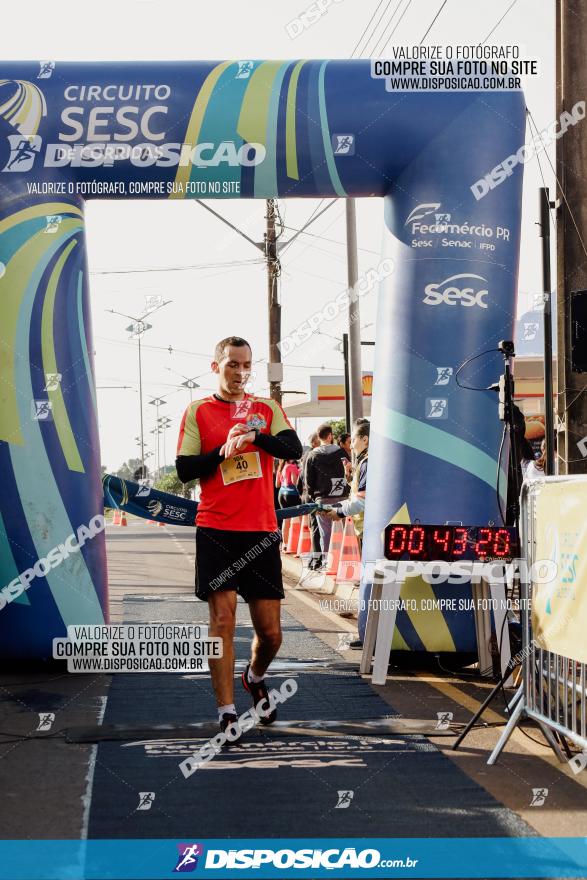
{"x":246,"y":466}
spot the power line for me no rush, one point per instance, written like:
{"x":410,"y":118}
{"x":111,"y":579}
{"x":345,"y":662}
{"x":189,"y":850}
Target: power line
{"x":378,"y":22}
{"x":560,"y":186}
{"x":367,"y":26}
{"x":309,"y":367}
{"x":494,"y":28}
{"x":305,"y":226}
{"x":256,"y":244}
{"x":374,"y":29}
{"x":231,"y":264}
{"x":307,"y":248}
{"x":320,"y":203}
{"x":380,"y":47}
{"x":335,"y":281}
{"x":332,"y":254}
{"x":434,"y":19}
{"x":168,"y":348}
{"x":332,"y":240}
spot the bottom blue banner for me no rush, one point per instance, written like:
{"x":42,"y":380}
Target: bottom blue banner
{"x":303,"y":858}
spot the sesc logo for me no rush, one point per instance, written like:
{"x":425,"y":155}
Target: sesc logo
{"x":459,"y":293}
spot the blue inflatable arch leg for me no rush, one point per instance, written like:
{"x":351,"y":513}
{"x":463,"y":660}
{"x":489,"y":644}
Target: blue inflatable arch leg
{"x":248,"y":129}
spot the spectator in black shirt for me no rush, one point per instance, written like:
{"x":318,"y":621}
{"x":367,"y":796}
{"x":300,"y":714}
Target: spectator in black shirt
{"x":325,"y":479}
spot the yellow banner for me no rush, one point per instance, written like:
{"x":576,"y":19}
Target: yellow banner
{"x":559,"y":605}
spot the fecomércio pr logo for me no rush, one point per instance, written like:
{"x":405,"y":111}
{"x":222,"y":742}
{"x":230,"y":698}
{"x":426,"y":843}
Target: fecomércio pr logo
{"x":188,"y":856}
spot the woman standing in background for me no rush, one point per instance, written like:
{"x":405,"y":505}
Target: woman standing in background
{"x":286,"y":479}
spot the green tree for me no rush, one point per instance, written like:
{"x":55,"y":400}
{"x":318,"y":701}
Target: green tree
{"x":172,"y":484}
{"x":338,"y":428}
{"x":124,"y":472}
{"x":129,"y":468}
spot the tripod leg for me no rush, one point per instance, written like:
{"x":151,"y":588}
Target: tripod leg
{"x":480,"y":711}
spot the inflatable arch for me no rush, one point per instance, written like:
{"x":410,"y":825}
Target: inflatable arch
{"x":247,"y":129}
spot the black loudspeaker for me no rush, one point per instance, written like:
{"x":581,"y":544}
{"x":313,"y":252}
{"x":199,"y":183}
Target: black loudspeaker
{"x":579,"y":331}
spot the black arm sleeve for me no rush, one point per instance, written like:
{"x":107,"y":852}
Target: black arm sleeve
{"x":190,"y":467}
{"x":286,"y":444}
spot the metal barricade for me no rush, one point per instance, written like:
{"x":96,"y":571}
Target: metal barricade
{"x":553,"y":690}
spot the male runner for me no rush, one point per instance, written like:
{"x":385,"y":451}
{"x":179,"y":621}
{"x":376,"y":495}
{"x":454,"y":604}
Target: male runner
{"x":229,"y":441}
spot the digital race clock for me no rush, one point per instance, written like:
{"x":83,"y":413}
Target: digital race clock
{"x":430,"y":543}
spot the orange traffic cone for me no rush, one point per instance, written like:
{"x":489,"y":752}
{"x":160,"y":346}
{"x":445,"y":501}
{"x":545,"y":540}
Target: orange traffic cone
{"x":305,"y":541}
{"x":349,"y":566}
{"x":123,"y":521}
{"x":160,"y":523}
{"x":294,"y":535}
{"x":335,"y":547}
{"x":116,"y":517}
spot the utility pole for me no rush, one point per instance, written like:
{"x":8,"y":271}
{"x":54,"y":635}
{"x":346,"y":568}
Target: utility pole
{"x":354,"y":335}
{"x":571,"y":156}
{"x":545,"y":205}
{"x":275,"y":367}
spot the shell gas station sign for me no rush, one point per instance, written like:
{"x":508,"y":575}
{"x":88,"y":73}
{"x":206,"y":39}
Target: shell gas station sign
{"x":332,"y":387}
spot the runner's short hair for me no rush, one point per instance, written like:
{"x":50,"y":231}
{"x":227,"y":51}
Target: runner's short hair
{"x":237,"y":341}
{"x":324,"y":431}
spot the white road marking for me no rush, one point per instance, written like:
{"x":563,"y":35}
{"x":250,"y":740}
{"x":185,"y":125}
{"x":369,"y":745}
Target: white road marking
{"x":87,"y":796}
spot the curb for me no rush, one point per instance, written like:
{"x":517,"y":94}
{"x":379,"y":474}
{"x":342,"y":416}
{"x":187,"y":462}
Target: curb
{"x":346,"y":594}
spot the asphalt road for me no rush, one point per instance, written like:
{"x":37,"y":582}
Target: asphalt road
{"x":286,"y":785}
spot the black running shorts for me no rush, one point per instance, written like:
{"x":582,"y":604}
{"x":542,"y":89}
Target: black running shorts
{"x":248,"y":562}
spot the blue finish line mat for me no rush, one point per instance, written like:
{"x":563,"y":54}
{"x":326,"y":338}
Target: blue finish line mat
{"x":334,"y":786}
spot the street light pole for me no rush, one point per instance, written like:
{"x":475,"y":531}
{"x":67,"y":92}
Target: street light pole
{"x":158,"y":450}
{"x":143,"y":474}
{"x":354,"y":334}
{"x":343,"y":347}
{"x":157,"y":431}
{"x":347,"y":395}
{"x":164,"y":422}
{"x":191,"y":384}
{"x":157,"y":402}
{"x":137,"y":328}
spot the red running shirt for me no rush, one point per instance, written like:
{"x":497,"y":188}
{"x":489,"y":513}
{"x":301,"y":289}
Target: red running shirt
{"x":238,"y":495}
